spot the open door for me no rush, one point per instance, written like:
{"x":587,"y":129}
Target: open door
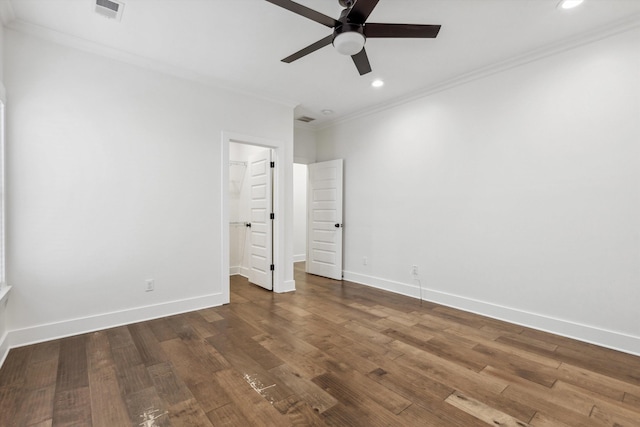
{"x":324,"y":225}
{"x":261,"y":206}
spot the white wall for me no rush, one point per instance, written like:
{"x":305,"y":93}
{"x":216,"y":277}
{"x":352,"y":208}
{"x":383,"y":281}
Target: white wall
{"x":4,"y":342}
{"x":304,"y":145}
{"x":115,"y":177}
{"x":299,"y":212}
{"x":517,"y":195}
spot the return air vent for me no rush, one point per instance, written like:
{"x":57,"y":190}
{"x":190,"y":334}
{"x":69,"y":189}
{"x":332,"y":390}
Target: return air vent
{"x":305,"y":119}
{"x":110,"y":9}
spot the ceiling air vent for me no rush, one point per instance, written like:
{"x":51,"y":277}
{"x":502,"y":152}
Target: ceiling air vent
{"x":305,"y":119}
{"x":110,"y":9}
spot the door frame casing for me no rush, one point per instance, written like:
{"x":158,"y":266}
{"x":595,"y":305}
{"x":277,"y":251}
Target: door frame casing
{"x":280,"y":282}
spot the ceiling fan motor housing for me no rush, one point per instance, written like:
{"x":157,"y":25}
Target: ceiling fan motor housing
{"x":349,"y":39}
{"x":346,"y":3}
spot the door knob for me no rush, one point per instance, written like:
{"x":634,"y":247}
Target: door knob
{"x":338,"y":225}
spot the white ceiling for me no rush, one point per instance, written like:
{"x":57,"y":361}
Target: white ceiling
{"x":239,"y":43}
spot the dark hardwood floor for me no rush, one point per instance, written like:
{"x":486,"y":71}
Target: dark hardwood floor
{"x":332,"y":353}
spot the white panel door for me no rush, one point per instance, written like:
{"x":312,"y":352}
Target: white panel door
{"x":324,"y":226}
{"x":261,"y":206}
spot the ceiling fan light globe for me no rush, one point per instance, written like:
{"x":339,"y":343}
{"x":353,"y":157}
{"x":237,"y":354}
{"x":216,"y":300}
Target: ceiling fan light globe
{"x":569,"y":4}
{"x":349,"y":43}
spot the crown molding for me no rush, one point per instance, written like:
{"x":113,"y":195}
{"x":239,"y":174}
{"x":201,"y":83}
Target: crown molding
{"x":7,"y":15}
{"x":617,"y":27}
{"x":140,"y":61}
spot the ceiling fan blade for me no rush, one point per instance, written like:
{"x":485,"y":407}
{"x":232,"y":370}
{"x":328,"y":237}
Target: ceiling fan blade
{"x":361,"y":11}
{"x":401,"y":30}
{"x":362,"y":62}
{"x":309,"y":49}
{"x":306,"y":12}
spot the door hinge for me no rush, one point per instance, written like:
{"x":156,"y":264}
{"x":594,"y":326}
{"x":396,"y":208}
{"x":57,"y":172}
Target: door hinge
{"x":272,"y":216}
{"x":273,"y":164}
{"x":272,"y":267}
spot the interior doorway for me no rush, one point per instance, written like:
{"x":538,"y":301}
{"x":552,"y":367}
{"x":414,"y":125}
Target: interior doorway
{"x":300,"y":176}
{"x":282,"y":254}
{"x":317,"y":217}
{"x":251,"y":213}
{"x":324,"y":227}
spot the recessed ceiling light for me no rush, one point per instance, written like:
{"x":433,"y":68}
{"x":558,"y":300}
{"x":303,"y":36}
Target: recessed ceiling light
{"x":377,"y":83}
{"x":569,"y":4}
{"x":327,"y":112}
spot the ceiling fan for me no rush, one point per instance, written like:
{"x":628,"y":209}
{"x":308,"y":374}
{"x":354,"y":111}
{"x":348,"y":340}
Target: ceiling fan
{"x":351,"y":30}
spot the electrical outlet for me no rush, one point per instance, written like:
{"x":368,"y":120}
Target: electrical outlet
{"x":414,"y":270}
{"x":150,"y":285}
{"x":365,"y":261}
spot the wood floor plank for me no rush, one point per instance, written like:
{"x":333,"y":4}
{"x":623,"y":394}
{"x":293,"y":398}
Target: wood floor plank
{"x":37,"y":406}
{"x":353,"y":402}
{"x":44,"y":351}
{"x":595,"y":382}
{"x":528,"y":343}
{"x":42,"y":374}
{"x":542,"y":399}
{"x":603,"y":409}
{"x":544,"y":420}
{"x":192,"y":367}
{"x":133,"y":379}
{"x":228,"y":415}
{"x":517,"y":365}
{"x":200,"y":325}
{"x":493,"y":343}
{"x":262,"y":381}
{"x":299,"y":358}
{"x":483,"y":412}
{"x":107,"y":405}
{"x":602,"y":361}
{"x":209,"y":314}
{"x":123,"y":349}
{"x":299,"y":413}
{"x":146,"y":408}
{"x":72,"y":364}
{"x":98,"y":351}
{"x":72,"y":407}
{"x":376,"y":391}
{"x":407,"y":383}
{"x":188,"y":413}
{"x":15,"y":367}
{"x":632,"y":400}
{"x":447,"y":372}
{"x":146,"y":344}
{"x":305,"y":389}
{"x":438,"y":414}
{"x":210,"y":394}
{"x":253,"y":406}
{"x":11,"y":398}
{"x":168,"y":384}
{"x":162,"y":330}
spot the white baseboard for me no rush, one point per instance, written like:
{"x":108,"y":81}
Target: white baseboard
{"x":51,"y":331}
{"x":239,"y":271}
{"x":300,"y":258}
{"x":593,"y":335}
{"x":4,"y":348}
{"x":287,"y":286}
{"x":4,"y":341}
